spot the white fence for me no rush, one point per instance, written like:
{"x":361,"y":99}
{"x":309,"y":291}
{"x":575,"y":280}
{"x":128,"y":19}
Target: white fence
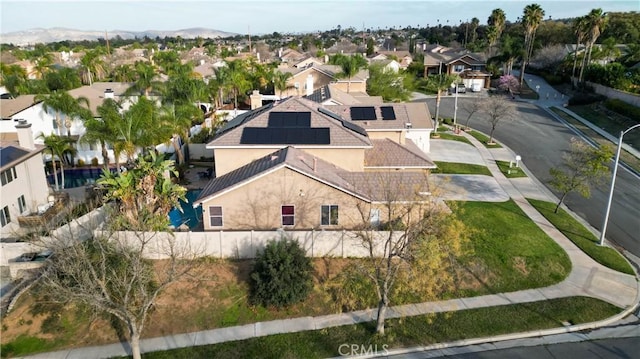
{"x":246,"y":244}
{"x":199,"y":150}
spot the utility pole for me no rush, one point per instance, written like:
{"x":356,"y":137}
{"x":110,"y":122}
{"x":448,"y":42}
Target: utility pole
{"x":106,"y":37}
{"x":249,"y":33}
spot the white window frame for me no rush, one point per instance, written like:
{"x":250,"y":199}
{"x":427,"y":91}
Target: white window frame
{"x":292,"y":216}
{"x":374,"y":216}
{"x":22,"y":204}
{"x":329,"y":208}
{"x":216,"y":216}
{"x":5,"y":216}
{"x":8,"y":175}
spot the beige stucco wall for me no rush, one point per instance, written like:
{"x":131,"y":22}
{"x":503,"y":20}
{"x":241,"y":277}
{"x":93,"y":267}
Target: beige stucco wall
{"x":319,"y":80}
{"x":396,"y":136}
{"x":30,"y":182}
{"x":257,"y":205}
{"x":360,"y":86}
{"x":229,"y":159}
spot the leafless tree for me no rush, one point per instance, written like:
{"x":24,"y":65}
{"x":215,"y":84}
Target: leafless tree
{"x":416,"y":235}
{"x":471,"y":107}
{"x":498,"y":109}
{"x":549,"y":57}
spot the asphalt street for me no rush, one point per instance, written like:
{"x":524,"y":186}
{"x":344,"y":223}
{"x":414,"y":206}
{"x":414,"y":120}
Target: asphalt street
{"x":541,"y":141}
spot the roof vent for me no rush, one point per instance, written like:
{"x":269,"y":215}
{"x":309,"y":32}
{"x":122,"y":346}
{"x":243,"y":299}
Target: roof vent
{"x":408,"y":125}
{"x":108,"y":93}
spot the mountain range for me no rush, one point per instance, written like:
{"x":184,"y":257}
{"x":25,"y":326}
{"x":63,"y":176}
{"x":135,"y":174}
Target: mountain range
{"x":39,"y":35}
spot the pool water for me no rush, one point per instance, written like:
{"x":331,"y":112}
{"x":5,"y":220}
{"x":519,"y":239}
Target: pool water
{"x":77,"y":177}
{"x":190,"y":216}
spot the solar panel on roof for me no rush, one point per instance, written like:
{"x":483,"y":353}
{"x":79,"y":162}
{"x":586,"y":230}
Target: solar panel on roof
{"x":363,"y":113}
{"x":289,"y":119}
{"x":346,"y":124}
{"x":285,"y":136}
{"x":388,"y":113}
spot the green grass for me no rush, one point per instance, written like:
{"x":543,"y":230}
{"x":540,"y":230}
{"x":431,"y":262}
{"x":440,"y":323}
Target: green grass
{"x":454,"y":137}
{"x":582,"y":237}
{"x":484,"y":139}
{"x":461,"y":168}
{"x":516,"y":254}
{"x":408,"y":331}
{"x":626,"y":157}
{"x":510,"y":172}
{"x":25,"y":344}
{"x":609,"y":121}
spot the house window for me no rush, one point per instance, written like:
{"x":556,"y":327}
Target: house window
{"x":215,"y":216}
{"x":374,"y":217}
{"x":55,"y":124}
{"x":8,"y":175}
{"x":4,"y":216}
{"x":22,"y":204}
{"x":329,"y":215}
{"x":288,"y":216}
{"x":458,"y":68}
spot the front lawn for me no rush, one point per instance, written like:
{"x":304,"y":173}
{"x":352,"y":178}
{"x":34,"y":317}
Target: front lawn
{"x":461,"y":168}
{"x":509,"y":253}
{"x":582,"y":237}
{"x":453,"y":137}
{"x":405,"y":332}
{"x":515,"y":252}
{"x":510,"y":172}
{"x":484,"y":139}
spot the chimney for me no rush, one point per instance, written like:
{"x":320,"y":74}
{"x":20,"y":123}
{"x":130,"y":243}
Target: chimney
{"x":256,"y":99}
{"x":315,"y":163}
{"x":25,"y":135}
{"x":202,"y":62}
{"x":309,"y":85}
{"x":108,"y":93}
{"x":280,"y":53}
{"x":326,"y":59}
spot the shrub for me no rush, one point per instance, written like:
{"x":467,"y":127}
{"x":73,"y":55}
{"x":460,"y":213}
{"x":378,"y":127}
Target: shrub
{"x":623,"y":108}
{"x":585,"y":99}
{"x":282,"y":274}
{"x":81,"y":162}
{"x":94,"y":161}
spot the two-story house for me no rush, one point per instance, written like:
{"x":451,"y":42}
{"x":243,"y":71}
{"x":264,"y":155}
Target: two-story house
{"x":312,"y":77}
{"x":297,"y":164}
{"x":24,"y":183}
{"x":471,"y":67}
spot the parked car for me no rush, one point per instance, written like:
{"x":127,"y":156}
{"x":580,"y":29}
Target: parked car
{"x":461,"y":89}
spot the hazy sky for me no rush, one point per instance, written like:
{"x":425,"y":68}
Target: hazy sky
{"x":263,"y":16}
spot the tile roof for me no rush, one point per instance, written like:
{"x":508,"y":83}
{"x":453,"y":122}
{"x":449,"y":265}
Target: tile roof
{"x":390,"y":154}
{"x":11,"y":154}
{"x":230,"y":135}
{"x":332,"y":92}
{"x":416,"y":113}
{"x":448,"y":56}
{"x":95,"y":93}
{"x":332,"y":71}
{"x":390,"y":186}
{"x":9,"y":107}
{"x":289,"y":157}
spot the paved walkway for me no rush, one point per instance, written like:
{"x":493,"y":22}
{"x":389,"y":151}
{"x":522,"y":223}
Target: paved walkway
{"x":587,"y":278}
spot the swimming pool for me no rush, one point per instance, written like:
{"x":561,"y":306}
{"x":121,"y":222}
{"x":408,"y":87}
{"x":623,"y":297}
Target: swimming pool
{"x":77,"y":177}
{"x":190,"y":216}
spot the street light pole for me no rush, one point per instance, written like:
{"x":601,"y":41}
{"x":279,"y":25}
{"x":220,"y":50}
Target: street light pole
{"x":455,"y":111}
{"x":613,"y":183}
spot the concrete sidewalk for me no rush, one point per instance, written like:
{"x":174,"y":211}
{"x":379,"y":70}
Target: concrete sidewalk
{"x":587,"y":278}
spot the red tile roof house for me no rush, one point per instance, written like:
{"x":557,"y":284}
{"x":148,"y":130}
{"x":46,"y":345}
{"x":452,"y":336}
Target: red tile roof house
{"x":470,"y":67}
{"x":299,"y":165}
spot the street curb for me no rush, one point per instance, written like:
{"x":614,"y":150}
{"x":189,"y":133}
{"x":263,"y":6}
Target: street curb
{"x":506,"y":337}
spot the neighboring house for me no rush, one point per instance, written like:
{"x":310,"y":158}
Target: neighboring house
{"x":305,"y":81}
{"x":24,"y":183}
{"x":332,"y":95}
{"x":387,"y":65}
{"x":403,"y":58}
{"x":471,"y":67}
{"x":44,"y":122}
{"x":29,"y":68}
{"x":297,"y":164}
{"x":290,"y":55}
{"x":308,"y":61}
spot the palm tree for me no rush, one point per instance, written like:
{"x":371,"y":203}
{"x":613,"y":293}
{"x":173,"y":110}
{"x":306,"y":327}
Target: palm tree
{"x":531,"y":19}
{"x":596,"y":21}
{"x":137,"y":128}
{"x":350,"y":66}
{"x":59,"y":147}
{"x":93,"y":67}
{"x":14,"y":78}
{"x":579,"y":28}
{"x":145,"y":80}
{"x":100,"y":129}
{"x":496,"y":22}
{"x":176,"y":121}
{"x":439,"y":83}
{"x":64,"y":106}
{"x":280,"y":81}
{"x":236,"y":79}
{"x":123,"y":73}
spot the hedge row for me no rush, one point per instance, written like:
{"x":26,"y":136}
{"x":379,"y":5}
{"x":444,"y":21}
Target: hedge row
{"x":623,"y":108}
